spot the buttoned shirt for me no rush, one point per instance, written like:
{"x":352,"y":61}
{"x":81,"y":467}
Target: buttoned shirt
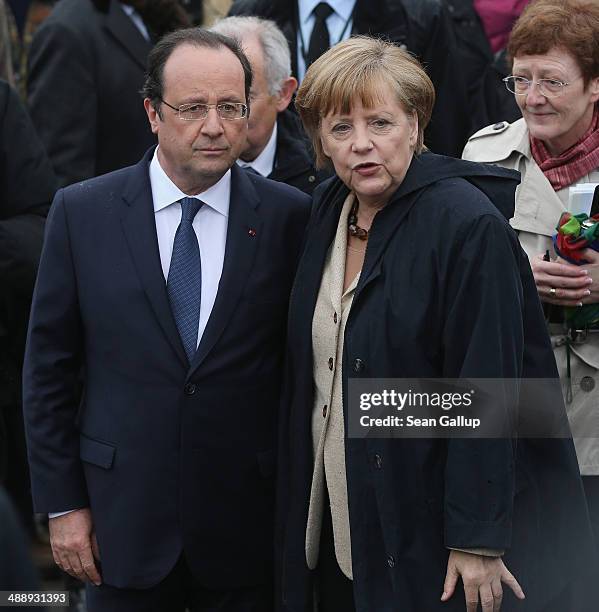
{"x":328,"y":429}
{"x":210,"y":226}
{"x":339,"y":24}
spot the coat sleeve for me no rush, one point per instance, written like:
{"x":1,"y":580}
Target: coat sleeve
{"x":482,"y":338}
{"x":53,"y":361}
{"x":436,"y":48}
{"x":62,"y":100}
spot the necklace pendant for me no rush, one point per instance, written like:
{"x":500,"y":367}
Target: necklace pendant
{"x":357,"y":231}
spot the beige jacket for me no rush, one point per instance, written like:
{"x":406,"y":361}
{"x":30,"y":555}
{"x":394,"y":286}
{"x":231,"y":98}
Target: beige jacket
{"x":538,"y":208}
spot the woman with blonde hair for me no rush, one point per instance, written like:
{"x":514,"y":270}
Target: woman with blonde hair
{"x":410,"y":271}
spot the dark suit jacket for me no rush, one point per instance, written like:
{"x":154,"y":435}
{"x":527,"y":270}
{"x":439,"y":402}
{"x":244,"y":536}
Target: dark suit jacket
{"x":460,"y":304}
{"x":170,"y":456}
{"x":423,"y":26}
{"x":294,"y":160}
{"x":86,"y":68}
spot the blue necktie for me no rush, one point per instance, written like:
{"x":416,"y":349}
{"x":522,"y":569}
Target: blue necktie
{"x":184,"y":284}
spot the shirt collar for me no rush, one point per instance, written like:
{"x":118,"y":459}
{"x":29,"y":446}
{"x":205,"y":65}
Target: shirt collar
{"x":265,"y":162}
{"x":343,"y":8}
{"x":165,"y":192}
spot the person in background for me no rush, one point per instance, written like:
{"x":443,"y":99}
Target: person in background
{"x":410,"y":271}
{"x":27,"y":186}
{"x":555,"y":80}
{"x":482,"y":28}
{"x":6,"y":59}
{"x":276,"y":144}
{"x":86,"y":67}
{"x":420,"y":26}
{"x":215,"y":10}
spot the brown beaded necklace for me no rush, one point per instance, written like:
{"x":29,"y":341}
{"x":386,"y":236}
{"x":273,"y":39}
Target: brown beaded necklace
{"x":352,"y":223}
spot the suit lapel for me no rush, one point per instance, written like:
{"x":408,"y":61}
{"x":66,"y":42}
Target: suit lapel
{"x":243,"y":237}
{"x":126,"y":33}
{"x":139,"y":227}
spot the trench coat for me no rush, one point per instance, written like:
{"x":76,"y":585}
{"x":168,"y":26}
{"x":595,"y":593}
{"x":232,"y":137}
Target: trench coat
{"x":537,"y":211}
{"x":445,"y":291}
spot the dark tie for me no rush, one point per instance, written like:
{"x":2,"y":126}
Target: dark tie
{"x":319,"y":39}
{"x":184,"y":284}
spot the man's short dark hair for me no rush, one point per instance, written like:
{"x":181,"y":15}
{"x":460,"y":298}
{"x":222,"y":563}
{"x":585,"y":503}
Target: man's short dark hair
{"x":154,"y":81}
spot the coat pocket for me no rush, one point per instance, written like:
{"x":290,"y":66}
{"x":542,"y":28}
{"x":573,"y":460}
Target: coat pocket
{"x":96,"y":452}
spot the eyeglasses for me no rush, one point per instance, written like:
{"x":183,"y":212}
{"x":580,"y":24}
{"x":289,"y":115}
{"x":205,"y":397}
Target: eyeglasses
{"x":197,"y":111}
{"x":550,"y":88}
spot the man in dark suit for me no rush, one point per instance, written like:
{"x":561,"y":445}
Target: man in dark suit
{"x":86,"y":67}
{"x":277,"y":146}
{"x":421,"y":26}
{"x":168,"y":282}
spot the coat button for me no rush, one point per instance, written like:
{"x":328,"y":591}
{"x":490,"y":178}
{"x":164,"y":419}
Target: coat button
{"x":189,"y":389}
{"x":311,"y":178}
{"x":391,"y":561}
{"x":331,"y":363}
{"x":378,"y":461}
{"x":358,"y":365}
{"x":335,"y":318}
{"x":324,"y":411}
{"x":587,"y":383}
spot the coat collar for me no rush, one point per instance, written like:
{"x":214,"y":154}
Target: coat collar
{"x":497,"y":183}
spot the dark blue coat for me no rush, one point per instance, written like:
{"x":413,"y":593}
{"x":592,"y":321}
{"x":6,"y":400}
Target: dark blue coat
{"x":445,"y":292}
{"x":170,"y":456}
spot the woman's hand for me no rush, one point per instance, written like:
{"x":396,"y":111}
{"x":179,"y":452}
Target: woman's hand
{"x":563,"y":283}
{"x":482,"y":575}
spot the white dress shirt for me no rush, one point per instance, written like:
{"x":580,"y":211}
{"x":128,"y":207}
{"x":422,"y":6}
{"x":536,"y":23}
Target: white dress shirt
{"x":265,"y":162}
{"x":136,"y":19}
{"x":339,"y":24}
{"x":210,"y":225}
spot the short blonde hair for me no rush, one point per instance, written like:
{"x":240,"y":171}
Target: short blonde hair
{"x":358,"y":69}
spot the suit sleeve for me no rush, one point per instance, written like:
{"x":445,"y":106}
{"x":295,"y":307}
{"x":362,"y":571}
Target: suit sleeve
{"x":53,"y":361}
{"x":483,"y":338}
{"x":63,"y":100}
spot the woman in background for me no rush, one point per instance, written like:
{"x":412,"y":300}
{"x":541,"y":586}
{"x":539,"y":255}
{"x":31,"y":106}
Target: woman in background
{"x":554,"y":52}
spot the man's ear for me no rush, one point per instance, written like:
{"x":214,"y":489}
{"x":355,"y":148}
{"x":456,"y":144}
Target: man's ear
{"x":153,"y":116}
{"x":287,"y":90}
